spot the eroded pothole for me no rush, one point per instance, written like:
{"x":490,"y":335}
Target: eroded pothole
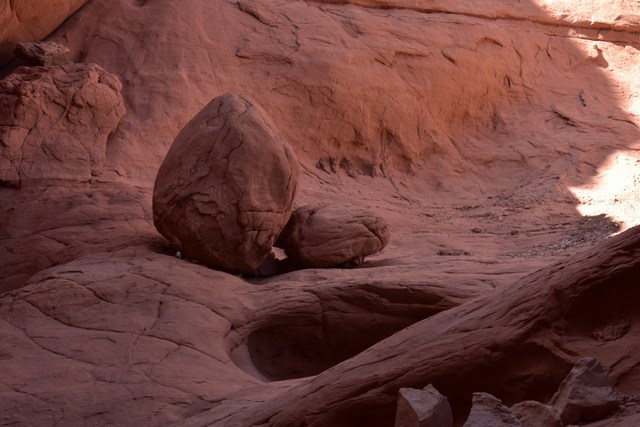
{"x":320,"y":319}
{"x":309,"y":346}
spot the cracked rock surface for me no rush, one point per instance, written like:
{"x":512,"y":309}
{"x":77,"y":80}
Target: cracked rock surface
{"x":333,"y":235}
{"x":55,"y":122}
{"x":498,"y":140}
{"x":225,"y":189}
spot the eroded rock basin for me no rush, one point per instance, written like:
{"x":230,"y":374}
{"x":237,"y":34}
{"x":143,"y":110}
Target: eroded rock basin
{"x":334,"y":329}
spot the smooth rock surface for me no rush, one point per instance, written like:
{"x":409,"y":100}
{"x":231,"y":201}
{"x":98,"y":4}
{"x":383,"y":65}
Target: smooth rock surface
{"x":422,"y":408}
{"x":586,"y":394}
{"x":332,"y":235}
{"x":225,"y":190}
{"x":55,"y":122}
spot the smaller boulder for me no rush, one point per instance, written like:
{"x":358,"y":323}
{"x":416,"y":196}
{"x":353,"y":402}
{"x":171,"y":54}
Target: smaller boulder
{"x":423,"y":408}
{"x":586,"y":394}
{"x":488,"y":410}
{"x":536,"y":414}
{"x":331,"y":236}
{"x":43,"y":53}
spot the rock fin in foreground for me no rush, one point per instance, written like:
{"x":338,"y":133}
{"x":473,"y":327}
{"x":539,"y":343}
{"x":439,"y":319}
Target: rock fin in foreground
{"x":518,"y":322}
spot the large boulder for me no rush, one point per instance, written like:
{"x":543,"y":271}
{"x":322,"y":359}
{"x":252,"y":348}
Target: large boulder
{"x":423,"y":408}
{"x":55,"y":122}
{"x":333,"y":235}
{"x":225,"y":189}
{"x":587,"y":393}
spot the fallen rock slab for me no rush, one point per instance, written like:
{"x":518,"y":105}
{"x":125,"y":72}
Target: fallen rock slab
{"x":26,"y":21}
{"x":422,"y":408}
{"x":225,"y":189}
{"x":487,"y":410}
{"x":43,"y":53}
{"x":586,"y":394}
{"x":535,"y":414}
{"x":333,"y":235}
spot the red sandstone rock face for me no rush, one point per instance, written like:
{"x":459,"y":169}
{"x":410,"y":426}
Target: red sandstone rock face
{"x":55,"y":122}
{"x":25,"y":21}
{"x":514,"y":343}
{"x":225,"y":190}
{"x":466,"y":125}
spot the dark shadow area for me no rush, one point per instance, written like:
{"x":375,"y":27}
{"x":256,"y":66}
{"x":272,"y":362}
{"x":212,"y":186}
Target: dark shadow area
{"x":296,"y":351}
{"x":344,"y":323}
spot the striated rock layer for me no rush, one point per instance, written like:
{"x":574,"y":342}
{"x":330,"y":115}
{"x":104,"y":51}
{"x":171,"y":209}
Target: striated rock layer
{"x":480,"y":131}
{"x":517,"y":344}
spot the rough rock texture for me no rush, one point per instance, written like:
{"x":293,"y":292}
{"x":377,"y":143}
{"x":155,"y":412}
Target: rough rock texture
{"x":332,"y":235}
{"x":503,"y":131}
{"x":225,"y":190}
{"x":587,"y":393}
{"x":488,"y":410}
{"x":357,"y":93}
{"x":113,"y":325}
{"x":26,"y":21}
{"x":422,"y":408}
{"x":55,"y":125}
{"x":565,"y":12}
{"x":535,"y":414}
{"x":55,"y":122}
{"x":43,"y":53}
{"x":513,"y":343}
